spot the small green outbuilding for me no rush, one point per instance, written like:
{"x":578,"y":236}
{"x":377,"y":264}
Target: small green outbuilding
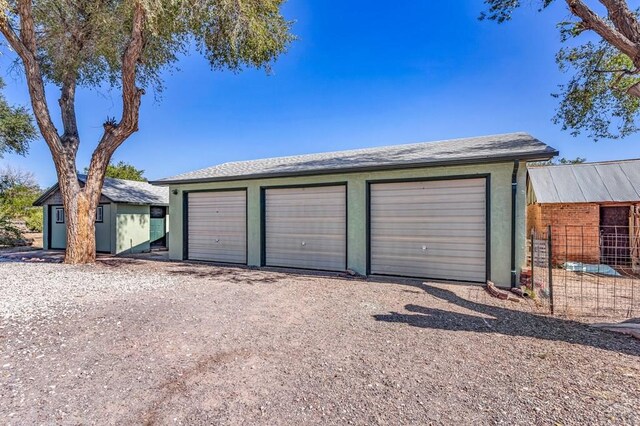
{"x":132,"y":217}
{"x":451,"y":210}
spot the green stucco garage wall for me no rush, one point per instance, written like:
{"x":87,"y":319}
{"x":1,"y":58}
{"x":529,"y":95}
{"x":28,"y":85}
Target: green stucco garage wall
{"x":500,"y":211}
{"x":132,"y":228}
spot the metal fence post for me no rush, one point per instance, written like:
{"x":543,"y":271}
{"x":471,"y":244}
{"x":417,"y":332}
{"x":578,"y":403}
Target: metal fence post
{"x":550,"y":267}
{"x":533,"y":260}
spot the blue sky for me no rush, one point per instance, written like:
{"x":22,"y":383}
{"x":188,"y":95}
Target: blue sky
{"x":363,"y":73}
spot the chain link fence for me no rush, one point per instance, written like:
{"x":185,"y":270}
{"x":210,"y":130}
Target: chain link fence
{"x":585,"y":271}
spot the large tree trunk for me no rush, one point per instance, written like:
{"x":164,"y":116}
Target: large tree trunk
{"x":80,"y":204}
{"x":80,"y":223}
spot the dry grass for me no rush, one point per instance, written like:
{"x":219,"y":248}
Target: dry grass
{"x":593,"y":295}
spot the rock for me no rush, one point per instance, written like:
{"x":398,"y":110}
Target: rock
{"x":630,"y":329}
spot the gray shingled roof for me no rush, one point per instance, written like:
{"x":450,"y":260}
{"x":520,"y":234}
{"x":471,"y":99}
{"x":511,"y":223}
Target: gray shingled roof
{"x":123,"y":191}
{"x":456,"y":151}
{"x":133,"y":192}
{"x":612,"y":181}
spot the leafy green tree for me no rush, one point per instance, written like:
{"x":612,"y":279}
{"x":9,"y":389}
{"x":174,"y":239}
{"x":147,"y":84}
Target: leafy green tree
{"x":16,"y":127}
{"x":577,"y":160}
{"x":602,"y":96}
{"x":560,"y":161}
{"x":122,"y":170}
{"x":126,"y":44}
{"x":18,"y":191}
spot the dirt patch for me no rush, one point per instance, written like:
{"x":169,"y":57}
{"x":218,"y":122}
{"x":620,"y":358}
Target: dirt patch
{"x":133,"y":341}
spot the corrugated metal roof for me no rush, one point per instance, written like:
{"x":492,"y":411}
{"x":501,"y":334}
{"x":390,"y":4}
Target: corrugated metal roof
{"x":456,"y":151}
{"x":612,"y":181}
{"x":123,"y":191}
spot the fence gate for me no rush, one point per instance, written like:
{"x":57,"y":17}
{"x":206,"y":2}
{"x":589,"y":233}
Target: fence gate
{"x":541,"y":267}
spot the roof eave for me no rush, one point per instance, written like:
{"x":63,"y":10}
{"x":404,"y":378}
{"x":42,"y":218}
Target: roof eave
{"x":541,"y":156}
{"x":39,"y":202}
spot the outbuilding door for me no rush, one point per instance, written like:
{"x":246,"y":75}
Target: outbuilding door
{"x":614,"y":235}
{"x":305,"y":227}
{"x":217,"y":226}
{"x":429,"y":229}
{"x":157,"y":226}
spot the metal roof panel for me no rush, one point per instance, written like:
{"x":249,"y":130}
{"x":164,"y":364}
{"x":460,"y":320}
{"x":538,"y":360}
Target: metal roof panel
{"x":591,"y":185}
{"x":610,"y":181}
{"x":616,"y":182}
{"x":543,"y":185}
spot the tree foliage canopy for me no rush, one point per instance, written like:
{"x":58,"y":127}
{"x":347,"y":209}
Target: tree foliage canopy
{"x":16,"y":127}
{"x":602,"y":94}
{"x":122,"y":170}
{"x":18,"y":191}
{"x":125,"y":44}
{"x":85,"y":40}
{"x":560,"y":161}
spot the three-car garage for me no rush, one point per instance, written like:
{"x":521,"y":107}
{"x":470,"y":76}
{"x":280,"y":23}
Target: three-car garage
{"x":449,"y":210}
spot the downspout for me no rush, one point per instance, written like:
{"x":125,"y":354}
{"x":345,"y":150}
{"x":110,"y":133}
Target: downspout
{"x":514,"y":195}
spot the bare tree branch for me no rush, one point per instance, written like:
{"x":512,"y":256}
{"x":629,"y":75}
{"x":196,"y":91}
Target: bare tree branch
{"x":596,"y":23}
{"x":70,"y":137}
{"x":115,"y":135}
{"x":623,"y":19}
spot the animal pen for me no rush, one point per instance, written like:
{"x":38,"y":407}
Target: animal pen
{"x":587,"y":270}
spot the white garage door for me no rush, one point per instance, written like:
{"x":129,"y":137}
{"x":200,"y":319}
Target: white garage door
{"x":217,"y":226}
{"x":306,"y":227}
{"x":430,"y":229}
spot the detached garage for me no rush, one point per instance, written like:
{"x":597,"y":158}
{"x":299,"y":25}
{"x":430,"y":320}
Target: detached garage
{"x":450,"y":210}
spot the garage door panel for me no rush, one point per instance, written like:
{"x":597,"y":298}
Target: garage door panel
{"x":430,"y":271}
{"x":217,"y":226}
{"x":390,"y":209}
{"x":310,"y":249}
{"x":287,"y":239}
{"x":443,"y":246}
{"x":444,"y":261}
{"x":433,"y":194}
{"x":444,"y":184}
{"x":306,"y":227}
{"x":431,"y":197}
{"x":447,"y":217}
{"x":428,"y":225}
{"x":425,"y":236}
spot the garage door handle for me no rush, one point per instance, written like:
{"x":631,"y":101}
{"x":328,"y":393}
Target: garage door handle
{"x":424,"y":248}
{"x":217,"y":240}
{"x":304,"y":243}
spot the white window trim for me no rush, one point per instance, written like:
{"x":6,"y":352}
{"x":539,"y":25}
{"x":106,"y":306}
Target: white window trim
{"x":99,"y":214}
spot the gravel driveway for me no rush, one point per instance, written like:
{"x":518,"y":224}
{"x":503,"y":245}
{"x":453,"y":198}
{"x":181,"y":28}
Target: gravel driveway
{"x":140,"y":342}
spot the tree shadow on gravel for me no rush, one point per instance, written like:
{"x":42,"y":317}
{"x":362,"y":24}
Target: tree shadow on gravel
{"x":508,"y":322}
{"x":227,"y":275}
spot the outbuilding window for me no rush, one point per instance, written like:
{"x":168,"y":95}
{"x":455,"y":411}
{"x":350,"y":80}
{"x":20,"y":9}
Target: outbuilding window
{"x":99,"y":214}
{"x":59,"y":215}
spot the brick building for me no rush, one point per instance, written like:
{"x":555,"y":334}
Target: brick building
{"x":592,"y":209}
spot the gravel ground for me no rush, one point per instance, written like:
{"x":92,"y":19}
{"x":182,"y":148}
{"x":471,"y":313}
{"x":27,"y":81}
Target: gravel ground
{"x":140,"y":342}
